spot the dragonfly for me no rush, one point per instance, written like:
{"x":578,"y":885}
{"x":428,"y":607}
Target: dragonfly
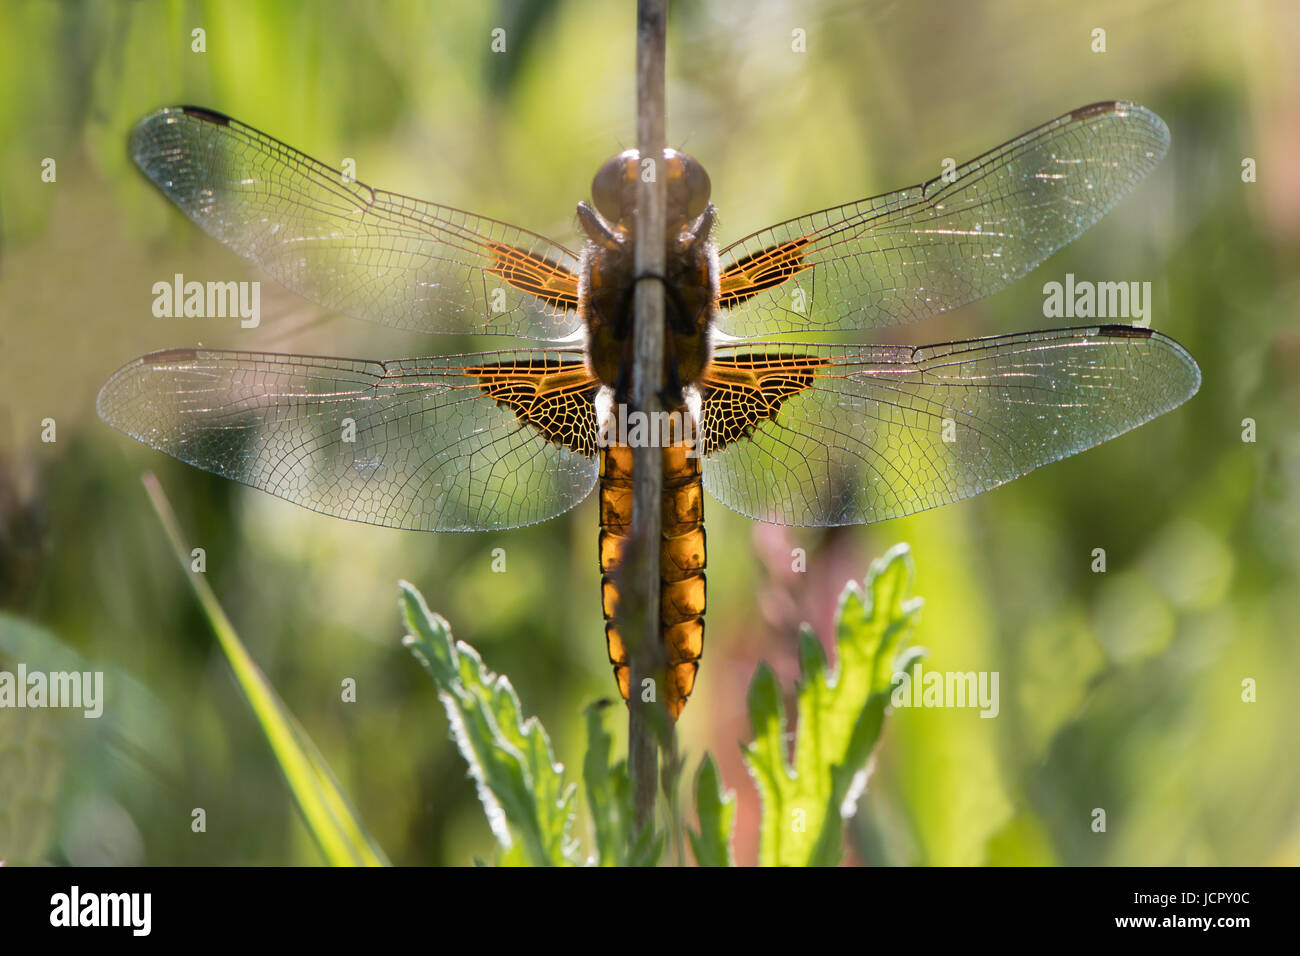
{"x":785,"y":428}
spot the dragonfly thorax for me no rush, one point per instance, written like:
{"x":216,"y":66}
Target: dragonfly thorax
{"x":607,"y":276}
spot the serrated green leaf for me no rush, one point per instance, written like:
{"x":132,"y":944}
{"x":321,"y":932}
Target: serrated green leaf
{"x":528,"y":802}
{"x":840,"y":715}
{"x":767,"y":720}
{"x":812,"y":656}
{"x":716,"y":809}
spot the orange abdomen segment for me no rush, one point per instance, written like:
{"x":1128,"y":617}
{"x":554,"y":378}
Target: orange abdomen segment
{"x":681,"y":565}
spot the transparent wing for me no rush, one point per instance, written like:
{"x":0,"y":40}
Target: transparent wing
{"x":459,"y":443}
{"x":911,"y":254}
{"x":369,"y":253}
{"x":825,"y":435}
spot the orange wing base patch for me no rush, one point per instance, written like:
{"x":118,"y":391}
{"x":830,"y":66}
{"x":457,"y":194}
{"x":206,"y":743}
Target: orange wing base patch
{"x":762,"y":270}
{"x":557,"y":398}
{"x":740,"y":392}
{"x":552,"y":283}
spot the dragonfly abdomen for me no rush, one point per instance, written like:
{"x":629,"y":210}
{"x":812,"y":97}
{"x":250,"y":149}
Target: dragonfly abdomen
{"x":681,"y":565}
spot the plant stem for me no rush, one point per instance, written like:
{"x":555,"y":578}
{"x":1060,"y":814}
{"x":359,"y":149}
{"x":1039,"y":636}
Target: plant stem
{"x":642,"y":636}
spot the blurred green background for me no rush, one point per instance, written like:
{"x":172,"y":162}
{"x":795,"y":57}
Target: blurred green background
{"x":1120,"y":691}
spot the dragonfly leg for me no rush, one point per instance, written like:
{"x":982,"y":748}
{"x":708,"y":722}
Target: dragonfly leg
{"x":670,"y":396}
{"x":623,"y":384}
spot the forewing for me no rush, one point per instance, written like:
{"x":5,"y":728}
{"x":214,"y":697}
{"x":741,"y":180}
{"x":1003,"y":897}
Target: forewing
{"x":824,"y":435}
{"x":910,"y":254}
{"x":369,"y":253}
{"x":457,"y":443}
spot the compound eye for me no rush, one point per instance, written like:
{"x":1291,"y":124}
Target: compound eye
{"x":609,"y":186}
{"x":698,"y":186}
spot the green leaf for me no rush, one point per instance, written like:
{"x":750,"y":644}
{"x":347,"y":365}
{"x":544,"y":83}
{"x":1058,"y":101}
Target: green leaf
{"x":528,"y":803}
{"x":133,"y":718}
{"x":42,"y":751}
{"x":840,"y":715}
{"x":716,"y":809}
{"x":324,"y":808}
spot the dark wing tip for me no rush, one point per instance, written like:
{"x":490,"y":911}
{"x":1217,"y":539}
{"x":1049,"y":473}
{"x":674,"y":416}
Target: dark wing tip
{"x":1124,"y":332}
{"x":1104,"y":108}
{"x":206,"y":115}
{"x":1110,"y":108}
{"x":1191,"y":378}
{"x":170,"y":114}
{"x":143,"y":145}
{"x":1127,"y":109}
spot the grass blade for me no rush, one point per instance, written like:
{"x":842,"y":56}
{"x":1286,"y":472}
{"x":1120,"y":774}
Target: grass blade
{"x":329,"y":816}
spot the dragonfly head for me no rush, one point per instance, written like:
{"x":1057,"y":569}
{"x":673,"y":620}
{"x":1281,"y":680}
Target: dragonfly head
{"x":686,"y":184}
